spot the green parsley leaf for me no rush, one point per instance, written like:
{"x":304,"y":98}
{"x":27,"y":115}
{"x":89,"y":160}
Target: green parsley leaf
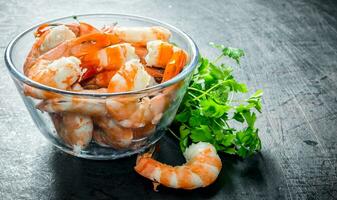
{"x":201,"y":133}
{"x":205,"y":109}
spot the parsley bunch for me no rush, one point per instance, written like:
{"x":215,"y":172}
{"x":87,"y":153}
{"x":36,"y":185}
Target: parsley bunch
{"x":209,"y":113}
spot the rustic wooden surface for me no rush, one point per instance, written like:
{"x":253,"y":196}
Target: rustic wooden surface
{"x":291,"y":53}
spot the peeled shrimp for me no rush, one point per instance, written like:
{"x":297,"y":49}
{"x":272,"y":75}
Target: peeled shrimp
{"x":132,"y":76}
{"x":109,"y":58}
{"x":47,"y":41}
{"x":78,"y":29}
{"x":113,"y":134}
{"x":99,"y":80}
{"x":77,"y":47}
{"x":50,"y":36}
{"x":139,"y":35}
{"x":76,"y":104}
{"x":165,"y":55}
{"x":201,"y":169}
{"x":74,"y":129}
{"x":143,"y":132}
{"x":131,"y":112}
{"x":60,"y":73}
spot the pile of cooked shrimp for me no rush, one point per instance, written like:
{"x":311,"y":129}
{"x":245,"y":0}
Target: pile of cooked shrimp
{"x":82,"y":58}
{"x":79,"y":57}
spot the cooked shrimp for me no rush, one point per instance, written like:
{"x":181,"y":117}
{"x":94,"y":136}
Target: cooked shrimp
{"x":60,"y":73}
{"x":158,"y":106}
{"x":79,"y":29}
{"x":109,"y":58}
{"x":48,"y":40}
{"x":74,"y":129}
{"x":141,"y":52}
{"x":113,"y":134}
{"x":77,"y":47}
{"x":99,"y":136}
{"x":99,"y":80}
{"x":165,"y":55}
{"x":82,"y":28}
{"x":155,"y":72}
{"x":132,"y":76}
{"x":143,"y":132}
{"x":201,"y":169}
{"x":76,"y":104}
{"x":50,"y":36}
{"x":38,"y":93}
{"x":131,"y":112}
{"x":139,"y":35}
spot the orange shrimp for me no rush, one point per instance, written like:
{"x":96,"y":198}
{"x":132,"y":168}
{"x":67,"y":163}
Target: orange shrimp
{"x":61,"y":73}
{"x":155,"y":72}
{"x":132,"y":76}
{"x":76,"y":104}
{"x":165,"y":55}
{"x":131,"y":112}
{"x":138,"y":36}
{"x":51,"y":35}
{"x":77,"y":47}
{"x":201,"y":169}
{"x":47,"y":41}
{"x":79,"y":29}
{"x":143,"y":132}
{"x":100,"y":137}
{"x":74,"y":129}
{"x":109,"y":58}
{"x":113,"y":134}
{"x":99,"y":80}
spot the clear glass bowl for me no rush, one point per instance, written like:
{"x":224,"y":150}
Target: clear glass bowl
{"x":167,"y":96}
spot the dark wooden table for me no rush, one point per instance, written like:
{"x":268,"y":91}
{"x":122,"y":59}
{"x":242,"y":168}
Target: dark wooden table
{"x":291,"y":53}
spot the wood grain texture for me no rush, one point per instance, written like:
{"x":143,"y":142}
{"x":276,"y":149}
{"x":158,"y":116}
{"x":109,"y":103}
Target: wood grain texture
{"x":291,"y":53}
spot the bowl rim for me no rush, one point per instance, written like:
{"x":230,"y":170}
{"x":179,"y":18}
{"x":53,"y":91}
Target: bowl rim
{"x":182,"y":75}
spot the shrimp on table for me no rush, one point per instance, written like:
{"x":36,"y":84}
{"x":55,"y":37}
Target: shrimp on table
{"x":201,"y":169}
{"x":74,"y":129}
{"x":61,"y":73}
{"x":165,"y":55}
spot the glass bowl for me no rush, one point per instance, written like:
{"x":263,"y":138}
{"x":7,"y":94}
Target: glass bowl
{"x":111,"y":137}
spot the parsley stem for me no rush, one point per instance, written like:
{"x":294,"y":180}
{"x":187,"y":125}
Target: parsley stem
{"x":218,"y":58}
{"x":210,"y":89}
{"x":224,"y":121}
{"x":201,"y":91}
{"x":173,"y":133}
{"x":192,"y":88}
{"x":192,"y":94}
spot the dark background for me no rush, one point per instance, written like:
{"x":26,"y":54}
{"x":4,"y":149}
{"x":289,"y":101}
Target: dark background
{"x":291,"y":53}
